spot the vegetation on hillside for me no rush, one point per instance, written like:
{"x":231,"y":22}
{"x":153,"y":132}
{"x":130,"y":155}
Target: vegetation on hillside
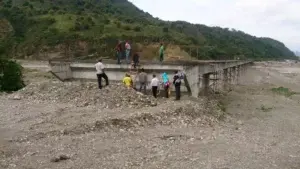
{"x":75,"y":28}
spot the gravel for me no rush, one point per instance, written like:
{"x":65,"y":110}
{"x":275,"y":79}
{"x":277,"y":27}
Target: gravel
{"x":84,"y":94}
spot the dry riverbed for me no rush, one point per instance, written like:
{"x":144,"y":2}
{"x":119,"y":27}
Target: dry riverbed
{"x":57,"y":125}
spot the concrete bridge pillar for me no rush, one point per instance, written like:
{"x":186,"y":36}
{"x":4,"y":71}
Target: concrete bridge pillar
{"x":225,"y":79}
{"x":238,"y":73}
{"x":233,"y":74}
{"x":205,"y":83}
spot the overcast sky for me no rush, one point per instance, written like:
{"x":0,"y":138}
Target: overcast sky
{"x":278,"y":19}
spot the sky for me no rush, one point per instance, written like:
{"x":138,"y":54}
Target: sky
{"x":277,"y":19}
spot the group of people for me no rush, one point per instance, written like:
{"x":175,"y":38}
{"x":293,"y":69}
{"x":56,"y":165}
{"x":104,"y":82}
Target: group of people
{"x":135,"y":59}
{"x":155,"y":83}
{"x":143,"y":81}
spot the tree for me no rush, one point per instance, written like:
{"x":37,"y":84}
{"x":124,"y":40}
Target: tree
{"x":137,"y":28}
{"x":11,"y":78}
{"x":165,"y":29}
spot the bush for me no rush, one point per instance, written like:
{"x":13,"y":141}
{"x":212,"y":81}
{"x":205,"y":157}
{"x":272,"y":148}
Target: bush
{"x":127,"y":27}
{"x":137,"y":28}
{"x":10,"y":75}
{"x":165,"y":30}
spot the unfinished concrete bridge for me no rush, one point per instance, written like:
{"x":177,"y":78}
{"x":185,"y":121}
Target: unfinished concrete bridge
{"x":200,"y":75}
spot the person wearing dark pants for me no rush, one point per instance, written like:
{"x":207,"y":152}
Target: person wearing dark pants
{"x":99,"y":77}
{"x":177,"y":84}
{"x":166,"y":91}
{"x":135,"y":59}
{"x":143,"y":80}
{"x":100,"y":73}
{"x":177,"y":91}
{"x":154,"y":85}
{"x":119,"y":52}
{"x":154,"y":91}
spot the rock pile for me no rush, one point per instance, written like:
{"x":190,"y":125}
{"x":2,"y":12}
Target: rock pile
{"x":84,"y":94}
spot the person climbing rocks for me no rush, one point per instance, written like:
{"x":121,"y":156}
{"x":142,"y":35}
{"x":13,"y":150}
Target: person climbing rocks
{"x":136,"y":59}
{"x":177,"y":84}
{"x":166,"y":84}
{"x":154,"y":85}
{"x":100,"y":73}
{"x":127,"y":80}
{"x":143,"y":81}
{"x":119,"y":51}
{"x":161,"y":52}
{"x":127,"y":51}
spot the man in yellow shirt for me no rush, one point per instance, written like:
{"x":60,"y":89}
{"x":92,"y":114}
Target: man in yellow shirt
{"x":127,"y":80}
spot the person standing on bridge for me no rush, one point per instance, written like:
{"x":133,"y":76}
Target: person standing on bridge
{"x":177,"y":84}
{"x":161,"y":52}
{"x":127,"y":51}
{"x":100,"y":73}
{"x":135,"y":59}
{"x":119,"y":52}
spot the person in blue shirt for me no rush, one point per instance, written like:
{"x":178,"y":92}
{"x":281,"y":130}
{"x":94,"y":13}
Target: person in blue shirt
{"x":166,"y":84}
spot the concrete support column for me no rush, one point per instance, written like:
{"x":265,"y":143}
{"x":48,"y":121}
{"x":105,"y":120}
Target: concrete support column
{"x":205,"y":83}
{"x":238,"y":74}
{"x":233,"y":74}
{"x":225,"y":79}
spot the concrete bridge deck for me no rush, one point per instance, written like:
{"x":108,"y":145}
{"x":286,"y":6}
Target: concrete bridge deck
{"x":198,"y":73}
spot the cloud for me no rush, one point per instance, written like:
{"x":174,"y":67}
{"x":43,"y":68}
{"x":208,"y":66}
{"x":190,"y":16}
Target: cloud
{"x":278,"y":19}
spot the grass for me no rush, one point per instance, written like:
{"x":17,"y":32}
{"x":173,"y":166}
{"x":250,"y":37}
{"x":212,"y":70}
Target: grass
{"x":283,"y":91}
{"x":222,"y":106}
{"x":265,"y":109}
{"x":63,"y":22}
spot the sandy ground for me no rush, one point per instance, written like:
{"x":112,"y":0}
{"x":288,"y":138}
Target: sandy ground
{"x":261,"y":131}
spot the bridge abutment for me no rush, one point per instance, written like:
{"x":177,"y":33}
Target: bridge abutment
{"x":200,"y":75}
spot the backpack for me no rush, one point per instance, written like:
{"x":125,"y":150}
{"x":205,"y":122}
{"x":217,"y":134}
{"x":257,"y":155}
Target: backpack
{"x":181,"y":75}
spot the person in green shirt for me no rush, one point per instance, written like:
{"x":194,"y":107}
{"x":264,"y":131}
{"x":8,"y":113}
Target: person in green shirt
{"x":161,"y":52}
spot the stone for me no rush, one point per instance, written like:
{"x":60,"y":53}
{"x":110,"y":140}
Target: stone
{"x":60,"y":158}
{"x":153,"y":104}
{"x":64,"y":157}
{"x":16,"y":97}
{"x":55,"y":159}
{"x":240,"y":122}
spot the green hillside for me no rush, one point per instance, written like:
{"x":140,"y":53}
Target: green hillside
{"x":76,"y":28}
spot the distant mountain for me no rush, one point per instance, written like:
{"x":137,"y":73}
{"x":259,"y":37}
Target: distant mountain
{"x":73,"y":28}
{"x":297,"y":53}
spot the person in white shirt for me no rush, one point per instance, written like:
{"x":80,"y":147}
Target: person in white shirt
{"x":100,"y":73}
{"x":154,"y":84}
{"x":127,"y":51}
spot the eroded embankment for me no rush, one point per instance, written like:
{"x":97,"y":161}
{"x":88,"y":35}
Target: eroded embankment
{"x":114,"y":108}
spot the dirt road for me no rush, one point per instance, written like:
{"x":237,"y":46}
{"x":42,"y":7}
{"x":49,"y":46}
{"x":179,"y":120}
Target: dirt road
{"x":261,"y":131}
